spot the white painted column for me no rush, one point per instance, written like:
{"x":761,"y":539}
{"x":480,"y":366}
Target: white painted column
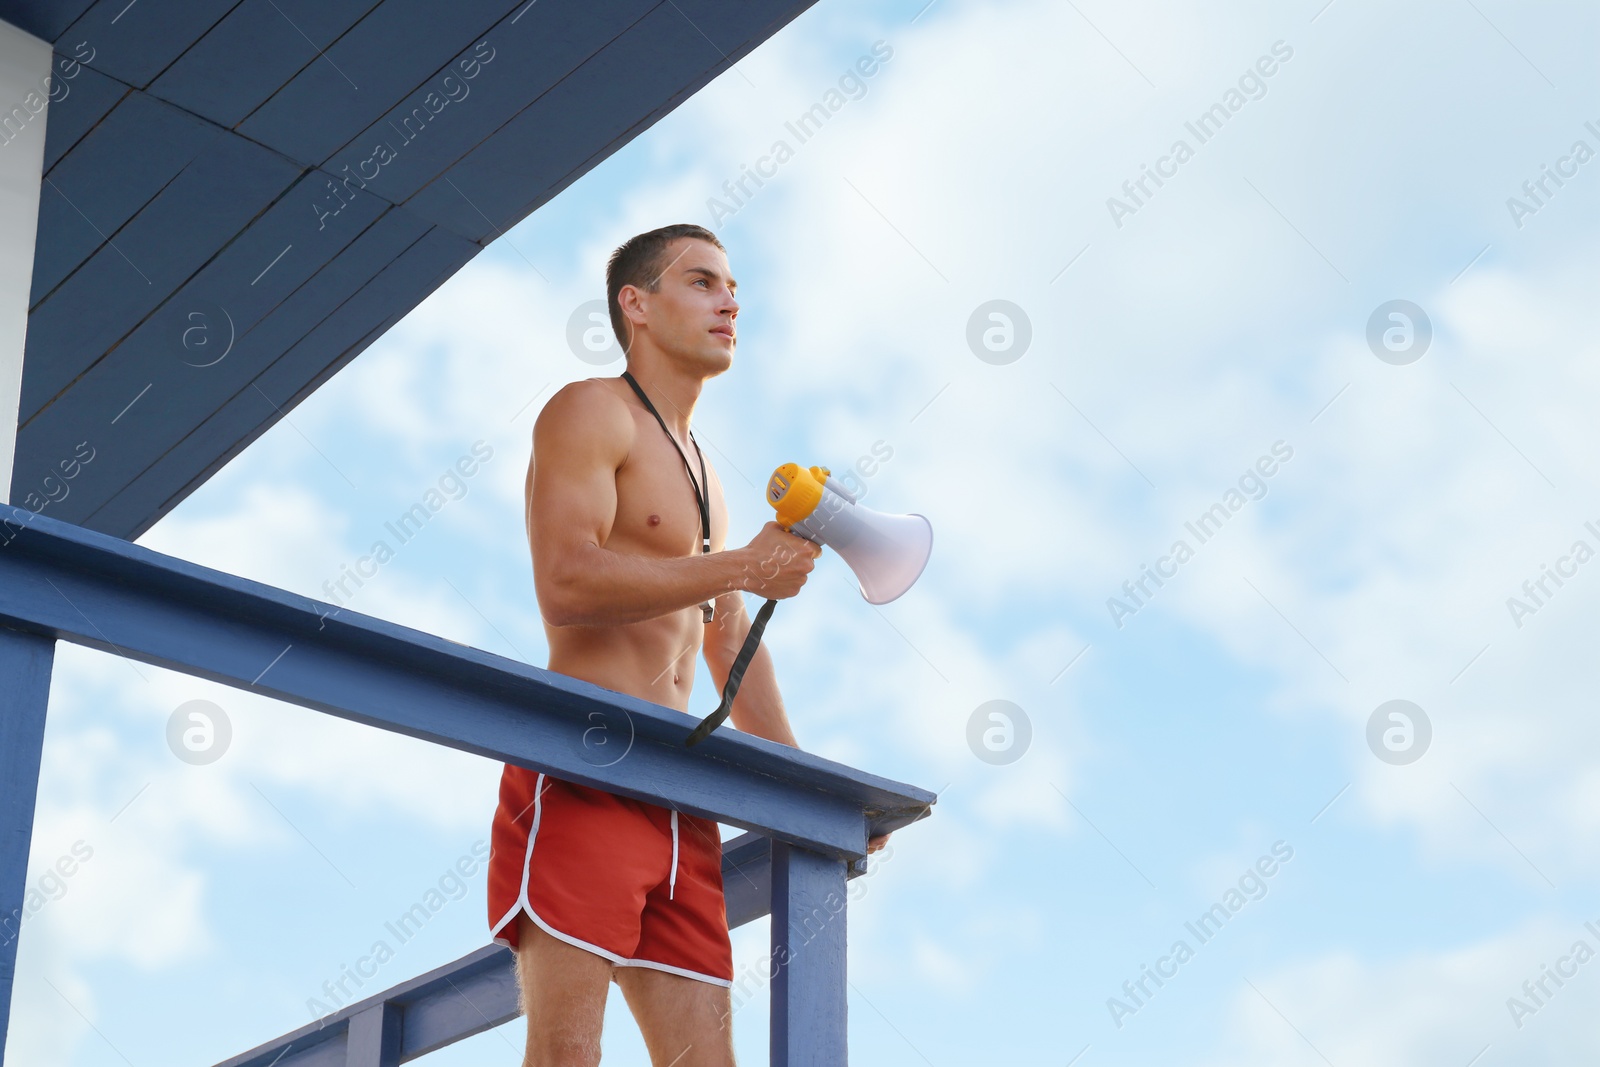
{"x":24,"y":100}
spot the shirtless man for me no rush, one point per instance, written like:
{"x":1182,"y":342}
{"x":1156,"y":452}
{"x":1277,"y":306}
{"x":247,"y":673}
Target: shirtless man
{"x":617,"y":889}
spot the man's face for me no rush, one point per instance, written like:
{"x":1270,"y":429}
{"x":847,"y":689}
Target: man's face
{"x":691,"y":314}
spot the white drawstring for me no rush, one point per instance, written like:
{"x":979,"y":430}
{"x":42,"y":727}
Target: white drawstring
{"x":672,"y":882}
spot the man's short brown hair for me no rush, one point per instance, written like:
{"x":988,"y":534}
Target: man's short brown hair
{"x":639,"y":261}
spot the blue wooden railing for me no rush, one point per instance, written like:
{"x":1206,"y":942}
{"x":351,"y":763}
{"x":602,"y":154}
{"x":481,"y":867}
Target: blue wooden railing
{"x":809,"y":818}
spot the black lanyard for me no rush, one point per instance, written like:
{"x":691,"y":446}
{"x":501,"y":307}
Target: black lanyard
{"x":702,"y":497}
{"x":702,"y":490}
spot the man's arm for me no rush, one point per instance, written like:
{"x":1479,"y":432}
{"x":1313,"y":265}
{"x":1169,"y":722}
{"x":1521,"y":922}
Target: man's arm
{"x":758,"y":708}
{"x":581,"y":438}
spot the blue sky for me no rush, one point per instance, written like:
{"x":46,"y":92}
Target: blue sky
{"x":1169,"y":754}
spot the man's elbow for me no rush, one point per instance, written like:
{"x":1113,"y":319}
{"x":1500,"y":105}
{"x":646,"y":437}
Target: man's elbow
{"x":562,"y":604}
{"x":563,"y":583}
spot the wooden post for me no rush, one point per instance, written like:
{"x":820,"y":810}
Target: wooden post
{"x":25,"y":64}
{"x":25,"y":661}
{"x":374,"y":1038}
{"x":808,"y":954}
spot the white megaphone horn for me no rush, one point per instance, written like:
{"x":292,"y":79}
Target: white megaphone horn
{"x":886,"y":552}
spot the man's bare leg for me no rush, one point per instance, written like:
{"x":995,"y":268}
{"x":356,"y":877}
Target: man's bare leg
{"x":685,"y":1022}
{"x":563,"y":998}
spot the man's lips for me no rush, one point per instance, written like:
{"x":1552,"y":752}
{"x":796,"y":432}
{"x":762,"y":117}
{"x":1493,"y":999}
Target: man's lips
{"x":726,"y":331}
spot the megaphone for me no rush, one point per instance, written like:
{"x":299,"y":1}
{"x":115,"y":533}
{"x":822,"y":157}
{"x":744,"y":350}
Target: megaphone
{"x":886,"y":552}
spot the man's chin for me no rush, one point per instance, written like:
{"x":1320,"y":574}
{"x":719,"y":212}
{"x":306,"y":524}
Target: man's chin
{"x":707,"y":361}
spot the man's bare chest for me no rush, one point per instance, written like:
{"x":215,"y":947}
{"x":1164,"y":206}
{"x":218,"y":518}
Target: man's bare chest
{"x":657,"y":511}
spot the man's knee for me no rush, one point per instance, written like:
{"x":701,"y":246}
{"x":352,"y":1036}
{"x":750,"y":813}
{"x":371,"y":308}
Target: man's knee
{"x":562,"y":1049}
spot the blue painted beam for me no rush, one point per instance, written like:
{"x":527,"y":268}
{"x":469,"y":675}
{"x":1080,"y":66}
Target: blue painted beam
{"x":747,"y":878}
{"x":446,"y":1005}
{"x":479,"y":990}
{"x":809,"y":1002}
{"x":374,"y":1037}
{"x":74,"y":584}
{"x":25,"y":661}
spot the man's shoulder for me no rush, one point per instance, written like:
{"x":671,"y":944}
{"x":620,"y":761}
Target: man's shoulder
{"x":584,"y":422}
{"x":591,"y":404}
{"x":596,"y":392}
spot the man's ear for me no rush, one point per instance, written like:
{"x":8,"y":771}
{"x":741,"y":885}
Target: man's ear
{"x":631,"y":299}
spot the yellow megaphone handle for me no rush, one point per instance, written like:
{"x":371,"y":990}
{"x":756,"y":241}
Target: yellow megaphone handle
{"x":794,"y":492}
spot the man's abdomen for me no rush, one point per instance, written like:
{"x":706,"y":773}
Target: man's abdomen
{"x":652,"y":660}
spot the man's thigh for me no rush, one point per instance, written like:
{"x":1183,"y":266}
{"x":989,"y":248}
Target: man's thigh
{"x":685,"y":1022}
{"x":563,"y":998}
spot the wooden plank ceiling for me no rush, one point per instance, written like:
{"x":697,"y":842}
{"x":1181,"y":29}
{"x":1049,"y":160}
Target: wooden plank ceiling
{"x":241,"y":195}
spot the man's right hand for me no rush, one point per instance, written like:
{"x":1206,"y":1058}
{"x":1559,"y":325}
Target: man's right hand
{"x":778,"y":562}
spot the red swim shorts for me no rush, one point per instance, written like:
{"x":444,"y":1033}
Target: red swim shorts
{"x":638,"y":884}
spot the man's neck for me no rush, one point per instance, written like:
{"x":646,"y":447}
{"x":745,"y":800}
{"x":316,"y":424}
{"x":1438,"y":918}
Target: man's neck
{"x":673,"y":392}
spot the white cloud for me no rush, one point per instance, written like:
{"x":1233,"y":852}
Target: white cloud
{"x":1421,"y":1009}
